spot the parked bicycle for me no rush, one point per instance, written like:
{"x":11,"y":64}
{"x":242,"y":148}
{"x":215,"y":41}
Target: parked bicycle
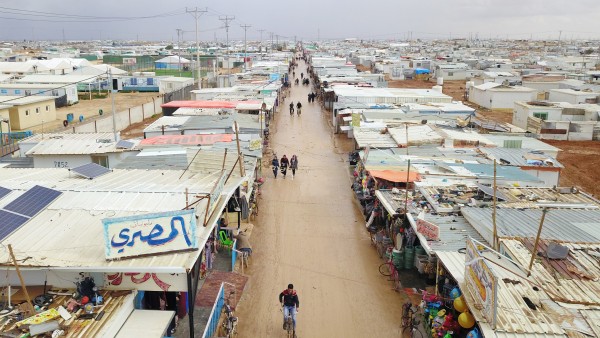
{"x":410,"y":323}
{"x":231,"y":321}
{"x":389,"y":270}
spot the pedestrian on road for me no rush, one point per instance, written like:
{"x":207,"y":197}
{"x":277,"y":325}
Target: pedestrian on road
{"x":275,"y":164}
{"x":284,"y":165}
{"x":294,"y":165}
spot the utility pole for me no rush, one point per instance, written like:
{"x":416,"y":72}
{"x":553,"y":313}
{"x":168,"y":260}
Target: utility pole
{"x":112,"y":98}
{"x":245,"y":27}
{"x":261,"y":31}
{"x":196,"y":13}
{"x":179,"y":31}
{"x":271,"y":42}
{"x":226,"y":19}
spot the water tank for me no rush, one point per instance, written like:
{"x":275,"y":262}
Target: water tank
{"x":437,"y":88}
{"x":440,"y":81}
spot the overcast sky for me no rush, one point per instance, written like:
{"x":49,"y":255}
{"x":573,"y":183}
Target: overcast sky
{"x":308,"y":20}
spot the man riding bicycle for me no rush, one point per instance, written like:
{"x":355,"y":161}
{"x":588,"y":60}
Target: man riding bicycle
{"x":290,"y":303}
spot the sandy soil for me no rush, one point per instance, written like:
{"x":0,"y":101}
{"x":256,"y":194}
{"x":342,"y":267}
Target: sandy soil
{"x":582,"y":164}
{"x":89,"y":109}
{"x":310,"y":232}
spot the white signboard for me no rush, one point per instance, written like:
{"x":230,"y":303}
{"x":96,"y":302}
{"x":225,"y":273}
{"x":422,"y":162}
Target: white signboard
{"x":216,"y":192}
{"x":481,"y":282}
{"x":150,"y":234}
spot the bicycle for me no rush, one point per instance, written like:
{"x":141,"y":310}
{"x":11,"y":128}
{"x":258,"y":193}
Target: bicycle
{"x":389,"y":270}
{"x":410,"y":324}
{"x":289,"y":324}
{"x":231,"y":321}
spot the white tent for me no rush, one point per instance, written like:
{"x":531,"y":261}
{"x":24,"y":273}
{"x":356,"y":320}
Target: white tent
{"x":99,"y":69}
{"x":173,"y":59}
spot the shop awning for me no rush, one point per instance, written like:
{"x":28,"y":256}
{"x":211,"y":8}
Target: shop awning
{"x":396,"y":176}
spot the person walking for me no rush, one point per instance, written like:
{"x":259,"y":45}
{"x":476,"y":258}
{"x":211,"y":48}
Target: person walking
{"x":275,"y":164}
{"x":284,"y":165}
{"x":294,"y":165}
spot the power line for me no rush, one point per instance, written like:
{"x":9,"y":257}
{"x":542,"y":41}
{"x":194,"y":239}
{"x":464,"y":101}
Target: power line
{"x":79,"y":18}
{"x":226,"y":19}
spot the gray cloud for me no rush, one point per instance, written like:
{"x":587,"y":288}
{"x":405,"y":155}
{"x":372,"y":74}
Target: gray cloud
{"x":308,"y":19}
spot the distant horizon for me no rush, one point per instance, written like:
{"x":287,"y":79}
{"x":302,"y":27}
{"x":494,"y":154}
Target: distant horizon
{"x":310,"y":20}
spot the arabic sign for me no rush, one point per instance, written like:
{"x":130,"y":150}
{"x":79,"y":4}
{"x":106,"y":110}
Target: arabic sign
{"x":428,"y":229}
{"x":150,"y":234}
{"x":481,"y":282}
{"x":190,"y":140}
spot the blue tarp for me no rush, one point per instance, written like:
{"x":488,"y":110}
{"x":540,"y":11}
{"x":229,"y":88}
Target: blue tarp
{"x":421,"y":71}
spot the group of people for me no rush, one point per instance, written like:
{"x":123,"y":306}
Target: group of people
{"x":284,"y":164}
{"x":311,"y":97}
{"x":298,"y":105}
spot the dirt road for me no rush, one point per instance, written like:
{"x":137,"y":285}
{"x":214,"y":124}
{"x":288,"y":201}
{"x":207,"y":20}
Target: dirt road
{"x":311,"y":233}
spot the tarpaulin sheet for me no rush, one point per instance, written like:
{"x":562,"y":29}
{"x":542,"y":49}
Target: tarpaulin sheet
{"x":395,"y":176}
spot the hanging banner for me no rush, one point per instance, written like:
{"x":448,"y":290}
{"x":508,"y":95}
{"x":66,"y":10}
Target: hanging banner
{"x":481,"y":282}
{"x":150,"y":234}
{"x":215,"y":195}
{"x":146,"y":281}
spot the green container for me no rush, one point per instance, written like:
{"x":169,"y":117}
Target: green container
{"x":419,"y":250}
{"x":409,"y":257}
{"x":398,"y":258}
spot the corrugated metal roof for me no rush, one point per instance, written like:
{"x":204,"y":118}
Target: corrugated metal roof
{"x":182,"y":123}
{"x":518,"y":156}
{"x":464,"y":135}
{"x":530,"y":197}
{"x":454,"y":232}
{"x":75,"y":217}
{"x":373,"y":138}
{"x":454,"y":263}
{"x":417,"y":135}
{"x":510,"y":305}
{"x":21,"y":100}
{"x":527,"y":142}
{"x":73,"y":144}
{"x":559,"y":224}
{"x":502,"y":172}
{"x":573,"y":280}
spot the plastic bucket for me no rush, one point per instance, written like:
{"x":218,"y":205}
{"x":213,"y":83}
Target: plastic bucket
{"x":409,"y":257}
{"x":419,"y":250}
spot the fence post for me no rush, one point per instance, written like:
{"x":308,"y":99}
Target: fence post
{"x":130,"y":114}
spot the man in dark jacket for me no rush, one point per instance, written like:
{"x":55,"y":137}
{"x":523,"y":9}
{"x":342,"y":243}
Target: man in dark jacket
{"x":290,"y":303}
